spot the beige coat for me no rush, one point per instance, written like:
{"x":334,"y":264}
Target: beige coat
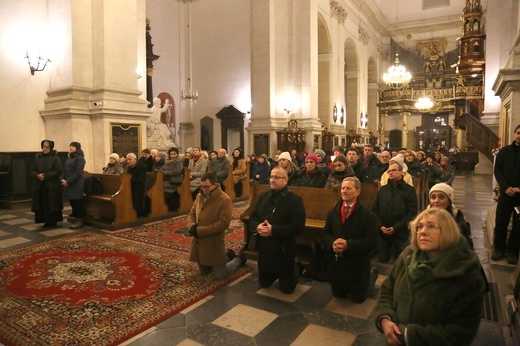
{"x":239,"y":172}
{"x":212,"y":218}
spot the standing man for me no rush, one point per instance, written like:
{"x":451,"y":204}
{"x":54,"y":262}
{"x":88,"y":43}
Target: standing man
{"x":384,"y":157}
{"x":208,"y":220}
{"x":349,"y":239}
{"x":371,"y":163}
{"x":355,"y":163}
{"x":507,"y":174}
{"x":138,"y":171}
{"x":220,"y":166}
{"x":279,"y":215}
{"x":395,"y":206}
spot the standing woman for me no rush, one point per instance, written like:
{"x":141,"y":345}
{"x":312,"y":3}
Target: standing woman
{"x":239,"y":170}
{"x":46,"y":170}
{"x":74,"y":183}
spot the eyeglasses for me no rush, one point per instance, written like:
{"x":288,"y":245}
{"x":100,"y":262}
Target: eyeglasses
{"x":393,"y":170}
{"x":206,"y":186}
{"x":275,"y":177}
{"x":428,"y":228}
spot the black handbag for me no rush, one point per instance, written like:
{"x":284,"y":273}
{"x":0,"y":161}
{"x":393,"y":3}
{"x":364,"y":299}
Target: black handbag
{"x":252,"y":245}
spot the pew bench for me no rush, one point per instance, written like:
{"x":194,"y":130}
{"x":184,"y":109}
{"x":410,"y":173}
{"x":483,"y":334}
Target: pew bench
{"x":112,"y":209}
{"x":317,"y":203}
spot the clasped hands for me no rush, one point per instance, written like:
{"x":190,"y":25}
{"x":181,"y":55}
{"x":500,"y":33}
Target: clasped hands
{"x":264,"y":229}
{"x":40,"y":177}
{"x":387,"y":230}
{"x":511,"y":191}
{"x":193,"y":231}
{"x":339,"y":245}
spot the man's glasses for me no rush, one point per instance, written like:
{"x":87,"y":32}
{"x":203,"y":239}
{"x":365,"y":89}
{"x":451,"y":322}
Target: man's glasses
{"x":276,"y":177}
{"x":428,"y":228}
{"x":205,"y":186}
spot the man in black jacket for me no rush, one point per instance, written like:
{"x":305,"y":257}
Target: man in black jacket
{"x":278,"y":217}
{"x":138,"y":171}
{"x":349,"y":239}
{"x":507,"y":174}
{"x":395,"y":205}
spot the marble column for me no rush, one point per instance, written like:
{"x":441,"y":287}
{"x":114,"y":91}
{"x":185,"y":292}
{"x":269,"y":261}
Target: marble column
{"x":95,"y":82}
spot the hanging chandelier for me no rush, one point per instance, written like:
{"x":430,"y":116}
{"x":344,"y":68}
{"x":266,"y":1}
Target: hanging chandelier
{"x":397,"y":76}
{"x":190,"y":94}
{"x":424,"y":104}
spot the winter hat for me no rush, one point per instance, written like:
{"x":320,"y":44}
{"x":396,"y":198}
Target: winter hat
{"x":338,"y":148}
{"x":321,"y":153}
{"x":49,"y":142}
{"x":190,"y":150}
{"x":400,"y":162}
{"x":312,"y":157}
{"x":264,"y":156}
{"x":115,"y":157}
{"x":77,"y":145}
{"x":285,"y":155}
{"x":443,"y":187}
{"x":162,"y":155}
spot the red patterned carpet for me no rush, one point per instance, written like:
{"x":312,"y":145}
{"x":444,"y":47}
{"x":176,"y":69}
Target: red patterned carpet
{"x":173,"y":234}
{"x":92,"y":289}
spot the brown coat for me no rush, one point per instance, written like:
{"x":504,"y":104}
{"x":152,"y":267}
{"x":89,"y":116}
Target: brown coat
{"x":239,"y":172}
{"x":212,"y":218}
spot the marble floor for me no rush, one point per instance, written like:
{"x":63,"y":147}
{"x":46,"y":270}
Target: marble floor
{"x":243,"y":314}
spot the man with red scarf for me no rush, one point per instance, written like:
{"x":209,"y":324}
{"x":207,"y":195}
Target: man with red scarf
{"x":349,"y":239}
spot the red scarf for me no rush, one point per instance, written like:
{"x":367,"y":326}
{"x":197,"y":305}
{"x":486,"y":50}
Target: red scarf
{"x":345,"y":216}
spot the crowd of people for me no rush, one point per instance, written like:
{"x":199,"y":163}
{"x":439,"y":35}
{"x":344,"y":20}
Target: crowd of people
{"x":424,"y":300}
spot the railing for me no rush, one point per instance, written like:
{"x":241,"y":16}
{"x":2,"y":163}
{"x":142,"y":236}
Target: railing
{"x":480,"y":136}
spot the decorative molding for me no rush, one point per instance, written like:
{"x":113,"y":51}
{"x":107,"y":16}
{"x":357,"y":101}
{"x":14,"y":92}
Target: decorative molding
{"x":364,"y":36}
{"x":338,"y":11}
{"x":384,"y":52}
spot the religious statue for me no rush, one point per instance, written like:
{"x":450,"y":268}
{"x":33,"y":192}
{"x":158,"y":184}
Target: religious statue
{"x":160,"y":135}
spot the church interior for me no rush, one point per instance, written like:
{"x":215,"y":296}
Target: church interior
{"x":120,"y":76}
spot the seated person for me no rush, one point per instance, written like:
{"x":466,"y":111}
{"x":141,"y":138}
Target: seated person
{"x":113,"y":166}
{"x":310,"y":176}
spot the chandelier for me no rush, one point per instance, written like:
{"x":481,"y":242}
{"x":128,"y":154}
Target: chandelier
{"x":397,"y":76}
{"x":424,"y":104}
{"x":189,"y":94}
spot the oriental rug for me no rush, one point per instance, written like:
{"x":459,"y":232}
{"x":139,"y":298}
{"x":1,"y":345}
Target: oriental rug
{"x":173,"y":233}
{"x":93,"y":289}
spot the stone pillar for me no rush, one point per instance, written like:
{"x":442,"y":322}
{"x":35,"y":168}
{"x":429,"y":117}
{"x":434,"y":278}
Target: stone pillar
{"x":404,"y":129}
{"x":95,"y":83}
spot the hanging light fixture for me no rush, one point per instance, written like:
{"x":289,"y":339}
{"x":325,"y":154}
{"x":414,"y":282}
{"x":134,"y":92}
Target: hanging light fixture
{"x":397,"y":76}
{"x":189,"y":94}
{"x":424,"y":104}
{"x":335,"y":113}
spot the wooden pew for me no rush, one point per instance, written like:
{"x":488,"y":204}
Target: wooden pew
{"x":420,"y":184}
{"x":158,"y":207}
{"x":112,"y":209}
{"x":186,"y":201}
{"x":317,"y":203}
{"x":228,"y":185}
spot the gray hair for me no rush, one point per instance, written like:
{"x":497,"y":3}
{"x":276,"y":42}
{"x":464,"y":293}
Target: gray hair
{"x":357,"y":183}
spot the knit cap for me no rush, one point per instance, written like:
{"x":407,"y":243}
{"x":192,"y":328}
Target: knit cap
{"x":115,"y":157}
{"x":77,"y":145}
{"x":320,"y":152}
{"x":285,"y":155}
{"x":400,"y":162}
{"x":443,"y":187}
{"x":312,"y":157}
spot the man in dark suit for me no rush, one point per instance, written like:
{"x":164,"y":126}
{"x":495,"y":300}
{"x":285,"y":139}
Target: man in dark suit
{"x":138,"y":171}
{"x":278,"y":217}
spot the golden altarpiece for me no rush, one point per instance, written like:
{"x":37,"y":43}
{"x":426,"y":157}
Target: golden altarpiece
{"x":291,"y":137}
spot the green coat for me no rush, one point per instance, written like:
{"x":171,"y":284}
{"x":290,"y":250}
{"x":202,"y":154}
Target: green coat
{"x":212,"y":218}
{"x":441,"y":308}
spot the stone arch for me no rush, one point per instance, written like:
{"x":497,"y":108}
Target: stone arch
{"x":324,"y":72}
{"x":351,"y":73}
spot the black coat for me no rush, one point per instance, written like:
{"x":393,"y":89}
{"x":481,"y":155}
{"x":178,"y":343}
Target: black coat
{"x":352,"y":269}
{"x":73,"y":174}
{"x":286,"y":213}
{"x":301,"y":178}
{"x":138,"y":173}
{"x":395,"y":206}
{"x":50,"y":166}
{"x":507,"y":167}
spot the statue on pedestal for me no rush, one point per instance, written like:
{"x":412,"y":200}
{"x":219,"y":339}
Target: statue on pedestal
{"x":160,"y":135}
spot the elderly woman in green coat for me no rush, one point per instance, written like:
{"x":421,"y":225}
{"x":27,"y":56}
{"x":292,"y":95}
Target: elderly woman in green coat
{"x":435,"y":292}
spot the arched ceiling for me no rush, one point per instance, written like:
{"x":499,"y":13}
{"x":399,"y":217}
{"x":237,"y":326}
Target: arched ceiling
{"x":402,"y":11}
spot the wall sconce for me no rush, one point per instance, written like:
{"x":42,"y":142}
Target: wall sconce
{"x":37,"y":68}
{"x":342,"y":119}
{"x":335,"y":113}
{"x":363,"y":120}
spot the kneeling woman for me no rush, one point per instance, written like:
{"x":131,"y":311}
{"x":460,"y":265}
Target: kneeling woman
{"x":435,"y":292}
